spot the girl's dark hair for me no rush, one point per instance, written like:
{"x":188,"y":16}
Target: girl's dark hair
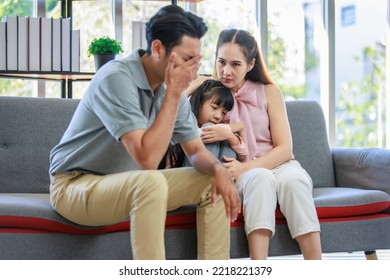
{"x":250,"y":49}
{"x":211,"y":89}
{"x":170,"y":24}
{"x":174,"y":156}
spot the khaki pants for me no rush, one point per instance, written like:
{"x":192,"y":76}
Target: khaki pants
{"x":145,"y":196}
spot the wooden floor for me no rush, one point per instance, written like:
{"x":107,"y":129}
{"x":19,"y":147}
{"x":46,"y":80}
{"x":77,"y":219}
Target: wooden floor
{"x":382,"y":255}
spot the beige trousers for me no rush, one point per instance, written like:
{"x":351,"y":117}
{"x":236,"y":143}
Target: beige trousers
{"x":290,"y":186}
{"x":145,"y":196}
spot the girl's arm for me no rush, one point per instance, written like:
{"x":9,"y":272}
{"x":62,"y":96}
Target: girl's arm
{"x":224,"y":132}
{"x":241,"y":149}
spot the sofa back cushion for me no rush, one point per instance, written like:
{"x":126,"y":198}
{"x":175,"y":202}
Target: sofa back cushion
{"x":29,"y":128}
{"x":310,"y":141}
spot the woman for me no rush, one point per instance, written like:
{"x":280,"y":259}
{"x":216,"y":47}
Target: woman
{"x":270,"y":174}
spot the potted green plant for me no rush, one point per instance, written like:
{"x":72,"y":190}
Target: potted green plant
{"x":104,"y":49}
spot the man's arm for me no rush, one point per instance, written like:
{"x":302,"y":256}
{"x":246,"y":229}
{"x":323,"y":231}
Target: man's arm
{"x":205,"y":162}
{"x":147,"y":147}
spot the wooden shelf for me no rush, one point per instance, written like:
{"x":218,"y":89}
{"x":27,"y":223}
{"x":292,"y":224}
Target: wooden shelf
{"x":66,"y":78}
{"x":74,"y":76}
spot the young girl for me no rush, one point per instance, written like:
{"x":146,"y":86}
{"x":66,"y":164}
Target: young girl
{"x":270,"y":174}
{"x":210,"y":102}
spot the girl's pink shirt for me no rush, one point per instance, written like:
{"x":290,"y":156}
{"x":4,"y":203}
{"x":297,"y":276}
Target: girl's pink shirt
{"x":250,"y":108}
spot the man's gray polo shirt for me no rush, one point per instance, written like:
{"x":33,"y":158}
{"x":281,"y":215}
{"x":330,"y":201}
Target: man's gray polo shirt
{"x":119,"y":99}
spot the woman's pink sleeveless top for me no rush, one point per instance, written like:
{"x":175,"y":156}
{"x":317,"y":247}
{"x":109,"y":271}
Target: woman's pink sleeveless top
{"x":250,"y":109}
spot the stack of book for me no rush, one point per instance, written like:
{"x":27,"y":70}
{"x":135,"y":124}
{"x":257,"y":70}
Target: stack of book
{"x":39,"y":44}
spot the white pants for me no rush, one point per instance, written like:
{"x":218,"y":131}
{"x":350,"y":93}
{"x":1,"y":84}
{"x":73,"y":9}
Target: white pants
{"x":290,"y":186}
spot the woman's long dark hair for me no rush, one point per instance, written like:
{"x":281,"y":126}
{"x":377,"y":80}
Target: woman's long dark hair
{"x":250,"y":49}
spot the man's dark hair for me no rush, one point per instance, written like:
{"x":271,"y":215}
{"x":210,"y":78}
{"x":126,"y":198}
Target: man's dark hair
{"x":170,"y":24}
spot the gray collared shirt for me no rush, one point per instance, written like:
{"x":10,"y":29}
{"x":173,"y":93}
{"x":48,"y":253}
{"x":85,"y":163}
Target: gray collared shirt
{"x":118,"y":100}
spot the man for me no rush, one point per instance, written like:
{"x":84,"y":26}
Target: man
{"x":104,"y":168}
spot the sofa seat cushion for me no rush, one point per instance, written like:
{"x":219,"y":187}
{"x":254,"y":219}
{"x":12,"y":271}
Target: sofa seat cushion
{"x":33,"y":213}
{"x":347,"y":202}
{"x":342,"y":203}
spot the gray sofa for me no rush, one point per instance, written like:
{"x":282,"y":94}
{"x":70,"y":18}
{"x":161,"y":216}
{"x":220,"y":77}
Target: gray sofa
{"x":351,"y":192}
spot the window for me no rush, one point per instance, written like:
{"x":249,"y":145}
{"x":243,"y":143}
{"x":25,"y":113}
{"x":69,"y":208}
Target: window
{"x":296,"y":43}
{"x":348,"y":15}
{"x":14,"y":87}
{"x":18,"y":87}
{"x":360,"y":78}
{"x":239,"y":14}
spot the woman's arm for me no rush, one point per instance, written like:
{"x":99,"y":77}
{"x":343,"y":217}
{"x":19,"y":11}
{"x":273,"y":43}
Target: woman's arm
{"x":280,"y":131}
{"x":196,"y":83}
{"x":237,"y":127}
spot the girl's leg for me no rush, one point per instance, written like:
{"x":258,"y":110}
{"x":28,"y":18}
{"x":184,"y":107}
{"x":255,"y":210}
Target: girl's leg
{"x":218,"y":149}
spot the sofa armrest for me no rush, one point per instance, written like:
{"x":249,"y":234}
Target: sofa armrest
{"x":366,"y":168}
